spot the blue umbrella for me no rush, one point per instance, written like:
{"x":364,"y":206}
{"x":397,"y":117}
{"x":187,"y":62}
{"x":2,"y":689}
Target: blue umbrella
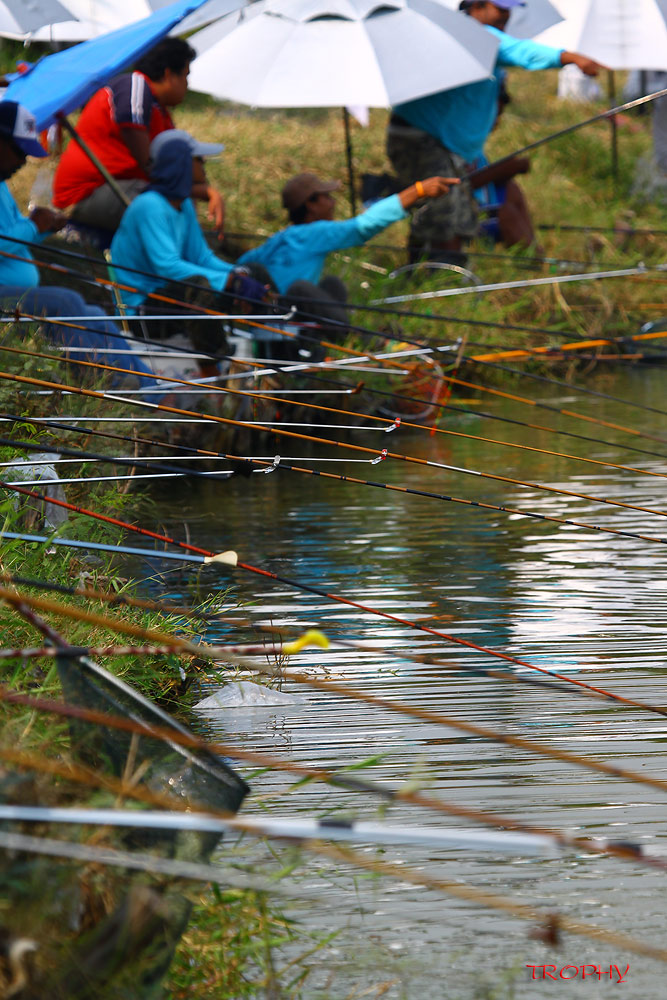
{"x":61,"y":82}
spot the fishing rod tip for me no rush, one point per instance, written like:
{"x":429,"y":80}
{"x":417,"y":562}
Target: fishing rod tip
{"x":228,"y":558}
{"x":311,"y":638}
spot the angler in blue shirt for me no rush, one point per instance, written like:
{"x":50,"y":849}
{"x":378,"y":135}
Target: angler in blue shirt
{"x":161,"y":242}
{"x":448,"y":129}
{"x":19,"y":278}
{"x":294,"y":258}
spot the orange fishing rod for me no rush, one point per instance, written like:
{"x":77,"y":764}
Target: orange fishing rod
{"x":377,"y":454}
{"x":27,"y":606}
{"x":526,"y":400}
{"x":241,"y":463}
{"x":155,"y":296}
{"x":207,"y":554}
{"x":339,"y":411}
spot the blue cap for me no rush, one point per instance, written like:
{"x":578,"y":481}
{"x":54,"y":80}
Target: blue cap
{"x":508,"y":4}
{"x":18,"y":124}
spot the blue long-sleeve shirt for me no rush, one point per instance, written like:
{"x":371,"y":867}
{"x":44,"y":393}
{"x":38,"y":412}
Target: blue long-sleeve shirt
{"x":299,"y":252}
{"x":462,"y":118}
{"x":12,"y":223}
{"x":165,"y":241}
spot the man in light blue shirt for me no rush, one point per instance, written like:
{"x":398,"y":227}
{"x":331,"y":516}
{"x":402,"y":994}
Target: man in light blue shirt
{"x":442,"y":132}
{"x":159,"y":247}
{"x":294,"y":258}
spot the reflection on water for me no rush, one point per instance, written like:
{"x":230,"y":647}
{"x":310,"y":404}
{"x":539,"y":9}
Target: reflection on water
{"x":573,"y":600}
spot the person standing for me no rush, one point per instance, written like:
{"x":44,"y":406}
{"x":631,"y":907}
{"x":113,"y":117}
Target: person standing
{"x":440,"y":133}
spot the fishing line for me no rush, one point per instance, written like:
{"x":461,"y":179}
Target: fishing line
{"x":204,"y":556}
{"x":410,"y":459}
{"x":388,"y":424}
{"x":85,"y":455}
{"x":381,"y":456}
{"x":457,"y":889}
{"x":340,"y":778}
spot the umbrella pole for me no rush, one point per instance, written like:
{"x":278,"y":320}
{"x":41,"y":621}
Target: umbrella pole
{"x":350,"y":165}
{"x":111,"y":181}
{"x":613,"y":121}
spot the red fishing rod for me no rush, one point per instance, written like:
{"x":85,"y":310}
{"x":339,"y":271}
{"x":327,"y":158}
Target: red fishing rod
{"x":206,"y":553}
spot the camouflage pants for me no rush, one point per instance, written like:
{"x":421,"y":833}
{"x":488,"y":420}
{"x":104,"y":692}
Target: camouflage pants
{"x":415,"y":155}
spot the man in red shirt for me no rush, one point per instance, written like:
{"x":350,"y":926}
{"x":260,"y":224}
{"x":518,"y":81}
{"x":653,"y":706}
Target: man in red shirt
{"x":119,"y":123}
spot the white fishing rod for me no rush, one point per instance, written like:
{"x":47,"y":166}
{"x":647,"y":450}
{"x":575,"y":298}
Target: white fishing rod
{"x":279,"y":828}
{"x":556,"y":279}
{"x":153,"y":863}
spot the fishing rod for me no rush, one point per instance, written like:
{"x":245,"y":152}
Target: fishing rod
{"x":191,"y":871}
{"x":85,"y":455}
{"x":286,"y":828}
{"x":379,"y":455}
{"x":114,"y":599}
{"x":279,"y":430}
{"x":388,"y":425}
{"x":619,"y":851}
{"x":239,"y":654}
{"x":500,"y":286}
{"x":121,"y":723}
{"x":186,"y":450}
{"x":550,"y":380}
{"x":528,"y":401}
{"x":628,"y":106}
{"x":622,"y":231}
{"x":189,"y":307}
{"x":230,"y":558}
{"x":556,"y":923}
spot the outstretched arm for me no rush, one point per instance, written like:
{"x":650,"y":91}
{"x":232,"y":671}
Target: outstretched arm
{"x":588,"y":66}
{"x":432,"y":187}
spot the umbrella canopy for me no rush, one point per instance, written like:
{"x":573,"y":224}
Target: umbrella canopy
{"x":528,"y":21}
{"x":63,"y":81}
{"x":327,"y":53}
{"x":91,"y":18}
{"x":20,"y":18}
{"x":621,"y":34}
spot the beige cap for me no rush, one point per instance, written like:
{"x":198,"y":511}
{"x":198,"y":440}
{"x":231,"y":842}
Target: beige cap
{"x":299,"y":189}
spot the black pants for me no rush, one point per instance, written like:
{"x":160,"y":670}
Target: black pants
{"x":207,"y":336}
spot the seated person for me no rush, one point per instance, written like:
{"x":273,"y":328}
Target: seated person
{"x":295,"y":257}
{"x":118,"y":123}
{"x":160,"y":236}
{"x":19,"y":279}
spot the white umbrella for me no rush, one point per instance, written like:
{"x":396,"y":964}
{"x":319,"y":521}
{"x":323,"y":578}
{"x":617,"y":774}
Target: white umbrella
{"x":621,"y":34}
{"x":327,"y":53}
{"x":528,"y":21}
{"x":20,"y":18}
{"x":91,"y":18}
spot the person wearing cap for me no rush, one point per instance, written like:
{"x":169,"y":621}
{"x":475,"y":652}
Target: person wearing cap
{"x":160,"y":236}
{"x":295,"y":257}
{"x":19,"y":276}
{"x":442,"y":132}
{"x":118,"y":124}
